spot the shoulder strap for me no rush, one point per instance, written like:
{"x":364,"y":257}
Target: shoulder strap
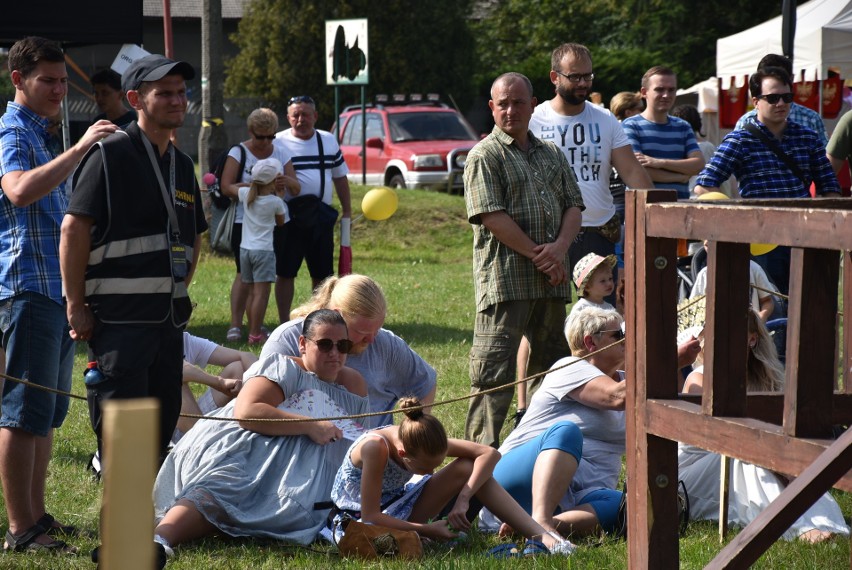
{"x":322,"y":165}
{"x":773,"y":146}
{"x":242,"y":158}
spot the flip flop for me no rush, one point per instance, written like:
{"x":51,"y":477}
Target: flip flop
{"x":505,"y":550}
{"x":535,"y":548}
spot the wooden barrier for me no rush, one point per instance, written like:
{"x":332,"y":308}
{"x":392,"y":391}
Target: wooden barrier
{"x":786,"y":433}
{"x":131,"y":429}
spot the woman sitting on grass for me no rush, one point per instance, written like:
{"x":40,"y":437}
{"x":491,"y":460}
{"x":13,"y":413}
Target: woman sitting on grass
{"x":373,"y":484}
{"x":751,"y":488}
{"x":267,"y":479}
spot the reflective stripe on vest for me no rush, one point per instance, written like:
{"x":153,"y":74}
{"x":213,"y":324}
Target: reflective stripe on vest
{"x":132,"y":246}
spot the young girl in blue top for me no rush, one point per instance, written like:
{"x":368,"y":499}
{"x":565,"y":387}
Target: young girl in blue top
{"x":374,"y":483}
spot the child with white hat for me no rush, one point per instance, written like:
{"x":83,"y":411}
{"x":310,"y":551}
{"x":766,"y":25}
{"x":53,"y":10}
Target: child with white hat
{"x":594,"y":281}
{"x":264,"y":209}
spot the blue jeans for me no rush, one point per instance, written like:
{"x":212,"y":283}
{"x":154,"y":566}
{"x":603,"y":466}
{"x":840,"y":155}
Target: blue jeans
{"x":38,"y":349}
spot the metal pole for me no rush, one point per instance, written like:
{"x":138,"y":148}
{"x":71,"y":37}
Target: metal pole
{"x":167,"y":29}
{"x":364,"y":134}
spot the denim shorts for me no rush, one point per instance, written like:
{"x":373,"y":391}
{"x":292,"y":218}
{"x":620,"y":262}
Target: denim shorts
{"x":258,"y":266}
{"x":40,"y":350}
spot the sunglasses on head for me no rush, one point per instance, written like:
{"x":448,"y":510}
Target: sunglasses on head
{"x":326,"y":344}
{"x":773,"y":98}
{"x":300,"y":99}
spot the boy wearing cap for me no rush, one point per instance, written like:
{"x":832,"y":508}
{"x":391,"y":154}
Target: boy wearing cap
{"x":263,"y":210}
{"x":129,"y":246}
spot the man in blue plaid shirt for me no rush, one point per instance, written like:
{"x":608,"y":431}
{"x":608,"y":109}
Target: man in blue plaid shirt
{"x":759,"y":170}
{"x":32,"y":312}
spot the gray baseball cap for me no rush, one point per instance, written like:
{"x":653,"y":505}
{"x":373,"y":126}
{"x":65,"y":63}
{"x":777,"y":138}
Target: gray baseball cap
{"x":153,"y":68}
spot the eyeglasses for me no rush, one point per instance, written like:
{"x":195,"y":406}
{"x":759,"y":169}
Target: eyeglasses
{"x":617,"y":334}
{"x":326,"y":344}
{"x":300,"y":99}
{"x":773,"y":98}
{"x":576,"y":77}
{"x":263,"y":137}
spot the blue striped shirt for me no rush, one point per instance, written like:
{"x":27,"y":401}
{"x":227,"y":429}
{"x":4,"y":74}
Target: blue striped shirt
{"x":673,"y":140}
{"x":29,"y":236}
{"x":761,"y":174}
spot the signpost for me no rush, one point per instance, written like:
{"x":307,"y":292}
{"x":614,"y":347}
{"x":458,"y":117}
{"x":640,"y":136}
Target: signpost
{"x":348,"y":63}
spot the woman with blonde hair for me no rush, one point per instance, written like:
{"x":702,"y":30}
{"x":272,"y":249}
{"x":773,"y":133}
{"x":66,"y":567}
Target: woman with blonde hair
{"x":390,"y":367}
{"x":751,"y":488}
{"x":262,"y":124}
{"x":374,"y":484}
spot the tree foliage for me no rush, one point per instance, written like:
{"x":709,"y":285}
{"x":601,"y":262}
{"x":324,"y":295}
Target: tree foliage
{"x":457,"y":47}
{"x":414,"y":47}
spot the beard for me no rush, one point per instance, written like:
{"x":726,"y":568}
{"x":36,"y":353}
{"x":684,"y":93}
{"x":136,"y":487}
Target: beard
{"x":358,"y":348}
{"x":570,"y":96}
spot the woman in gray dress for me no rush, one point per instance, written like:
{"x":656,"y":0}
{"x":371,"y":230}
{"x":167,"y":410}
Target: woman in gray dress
{"x":267,"y":479}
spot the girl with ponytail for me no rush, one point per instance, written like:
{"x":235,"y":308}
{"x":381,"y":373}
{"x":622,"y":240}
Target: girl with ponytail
{"x":375,"y":485}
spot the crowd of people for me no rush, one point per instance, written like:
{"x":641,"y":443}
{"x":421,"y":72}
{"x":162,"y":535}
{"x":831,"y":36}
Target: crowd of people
{"x":110,"y":264}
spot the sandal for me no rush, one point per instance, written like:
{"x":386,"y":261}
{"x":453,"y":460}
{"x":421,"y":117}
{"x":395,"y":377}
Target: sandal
{"x":505,"y":550}
{"x":53,"y":528}
{"x":535,"y":548}
{"x":254,"y":340}
{"x":235,"y":334}
{"x":26,"y":541}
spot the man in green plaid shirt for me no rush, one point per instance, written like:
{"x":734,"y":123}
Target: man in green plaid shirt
{"x":524,"y":204}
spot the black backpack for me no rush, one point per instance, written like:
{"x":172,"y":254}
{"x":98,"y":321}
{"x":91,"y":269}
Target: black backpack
{"x":215,"y":190}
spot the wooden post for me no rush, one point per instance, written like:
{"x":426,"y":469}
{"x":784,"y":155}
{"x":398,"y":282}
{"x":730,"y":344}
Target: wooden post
{"x":724,"y":480}
{"x":131,"y":433}
{"x":651,"y":373}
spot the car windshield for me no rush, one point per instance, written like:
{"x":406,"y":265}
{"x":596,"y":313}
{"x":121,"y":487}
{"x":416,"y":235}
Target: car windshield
{"x":429,"y":127}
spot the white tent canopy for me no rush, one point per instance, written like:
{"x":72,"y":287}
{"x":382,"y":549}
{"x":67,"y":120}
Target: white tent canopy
{"x":823,"y":40}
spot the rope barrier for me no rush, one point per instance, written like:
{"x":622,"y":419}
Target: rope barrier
{"x":372,"y":414}
{"x":335,"y":418}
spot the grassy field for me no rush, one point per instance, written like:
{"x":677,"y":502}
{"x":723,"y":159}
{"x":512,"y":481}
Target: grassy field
{"x":422,"y":258}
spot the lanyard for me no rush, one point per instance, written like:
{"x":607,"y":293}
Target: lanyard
{"x":168,"y":193}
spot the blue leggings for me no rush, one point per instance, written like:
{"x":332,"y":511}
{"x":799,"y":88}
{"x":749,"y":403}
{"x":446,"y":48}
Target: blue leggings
{"x":515,"y":469}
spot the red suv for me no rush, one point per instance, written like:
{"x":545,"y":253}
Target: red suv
{"x":412,"y":145}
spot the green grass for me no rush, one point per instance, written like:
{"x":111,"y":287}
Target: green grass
{"x":422,"y":259}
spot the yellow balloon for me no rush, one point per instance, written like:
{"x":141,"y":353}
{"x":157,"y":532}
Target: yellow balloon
{"x":379,"y":204}
{"x":761,"y":248}
{"x":713,"y":196}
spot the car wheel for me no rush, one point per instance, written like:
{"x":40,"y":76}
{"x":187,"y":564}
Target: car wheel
{"x":397,"y":181}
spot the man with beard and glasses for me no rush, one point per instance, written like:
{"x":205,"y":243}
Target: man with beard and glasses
{"x":593,"y":142}
{"x":390,"y":367}
{"x":664,"y":145}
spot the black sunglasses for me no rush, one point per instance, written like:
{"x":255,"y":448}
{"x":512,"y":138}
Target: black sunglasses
{"x":326,"y":344}
{"x":617,"y":334}
{"x":300,"y":99}
{"x":263,"y":137}
{"x":773,"y":98}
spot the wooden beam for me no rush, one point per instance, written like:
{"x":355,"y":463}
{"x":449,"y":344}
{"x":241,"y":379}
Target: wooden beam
{"x":726,"y":329}
{"x":130,"y":453}
{"x":792,"y":503}
{"x":846,"y":383}
{"x":651,"y":461}
{"x":769,"y":407}
{"x":811,"y":339}
{"x":742,"y":223}
{"x":745,"y":438}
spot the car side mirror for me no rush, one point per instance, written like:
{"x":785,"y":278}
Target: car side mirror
{"x":375,"y":142}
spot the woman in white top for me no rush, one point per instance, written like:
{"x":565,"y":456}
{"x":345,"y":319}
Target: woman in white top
{"x":262,"y":126}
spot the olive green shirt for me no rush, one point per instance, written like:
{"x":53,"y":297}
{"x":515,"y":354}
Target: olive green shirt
{"x":534,"y":188}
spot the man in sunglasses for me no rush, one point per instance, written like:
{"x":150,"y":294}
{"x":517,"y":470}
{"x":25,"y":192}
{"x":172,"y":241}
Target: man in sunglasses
{"x":799,"y":114}
{"x":319,"y":167}
{"x":772,"y":157}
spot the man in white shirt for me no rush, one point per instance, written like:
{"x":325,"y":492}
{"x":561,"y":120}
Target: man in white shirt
{"x":593,"y":141}
{"x":319,"y":164}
